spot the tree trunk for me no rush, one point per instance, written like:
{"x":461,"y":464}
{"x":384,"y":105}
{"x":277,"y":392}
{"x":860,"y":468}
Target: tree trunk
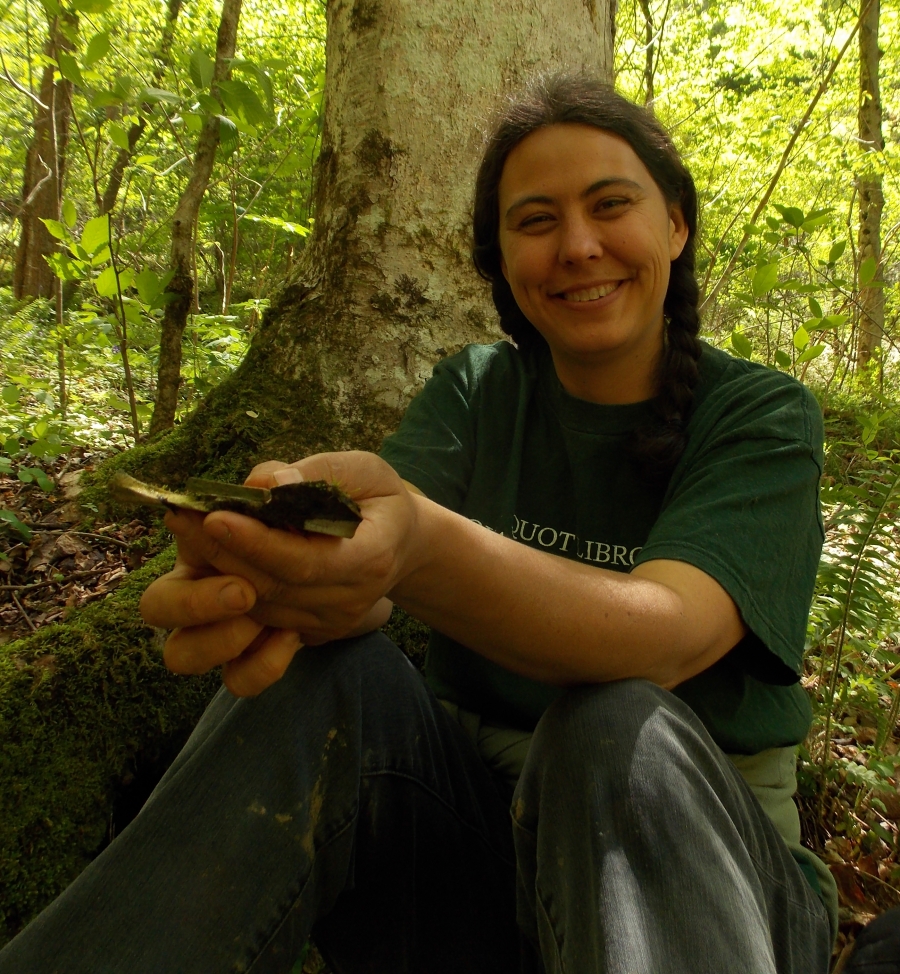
{"x":183,"y":231}
{"x":871,"y":196}
{"x":45,"y":166}
{"x":161,"y":60}
{"x":385,"y":286}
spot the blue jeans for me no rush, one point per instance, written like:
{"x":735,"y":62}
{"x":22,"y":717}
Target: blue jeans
{"x":344,"y":802}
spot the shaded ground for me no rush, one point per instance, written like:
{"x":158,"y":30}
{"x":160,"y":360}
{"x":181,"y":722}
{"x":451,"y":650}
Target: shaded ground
{"x":69,"y":561}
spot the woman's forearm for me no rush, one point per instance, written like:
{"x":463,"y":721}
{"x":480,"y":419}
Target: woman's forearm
{"x":556,"y":620}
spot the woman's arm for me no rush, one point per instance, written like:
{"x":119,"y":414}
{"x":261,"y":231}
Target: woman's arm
{"x":560,"y":621}
{"x":536,"y":614}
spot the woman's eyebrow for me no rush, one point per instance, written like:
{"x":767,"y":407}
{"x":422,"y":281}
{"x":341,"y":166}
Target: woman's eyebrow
{"x":593,"y":188}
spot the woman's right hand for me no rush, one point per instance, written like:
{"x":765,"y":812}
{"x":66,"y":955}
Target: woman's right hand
{"x":208,"y":613}
{"x":246,"y":597}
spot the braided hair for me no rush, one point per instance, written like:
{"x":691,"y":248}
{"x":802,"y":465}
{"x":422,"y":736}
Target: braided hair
{"x":583,"y":100}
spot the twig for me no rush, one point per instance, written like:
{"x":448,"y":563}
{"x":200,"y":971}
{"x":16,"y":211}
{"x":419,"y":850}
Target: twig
{"x":844,"y":957}
{"x":21,"y":89}
{"x":72,"y":576}
{"x":81,"y":534}
{"x":27,"y":618}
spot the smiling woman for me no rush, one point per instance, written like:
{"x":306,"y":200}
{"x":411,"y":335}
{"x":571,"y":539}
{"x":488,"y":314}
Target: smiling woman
{"x":612,"y":530}
{"x":586,"y":240}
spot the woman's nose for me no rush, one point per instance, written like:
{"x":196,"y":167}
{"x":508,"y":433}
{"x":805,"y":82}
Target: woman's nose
{"x":579,"y":241}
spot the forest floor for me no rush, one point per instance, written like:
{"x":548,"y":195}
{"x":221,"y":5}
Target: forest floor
{"x":70,"y":560}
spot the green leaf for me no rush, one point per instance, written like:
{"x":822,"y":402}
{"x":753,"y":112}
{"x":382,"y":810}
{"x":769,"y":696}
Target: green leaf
{"x":867,"y":271}
{"x":814,"y":351}
{"x":10,"y":395}
{"x":97,"y":48}
{"x":55,"y":229}
{"x":42,"y":480}
{"x":91,"y":6}
{"x":68,"y":68}
{"x":154,"y":95}
{"x":782,"y":358}
{"x":834,"y":321}
{"x":192,"y":121}
{"x":242,"y":101}
{"x":801,"y":338}
{"x":101,"y":257}
{"x":209,"y":104}
{"x":791,"y":215}
{"x":69,"y":213}
{"x":106,"y":283}
{"x":228,"y":133}
{"x":15,"y":523}
{"x":202,"y":67}
{"x":837,"y":250}
{"x":815,"y":307}
{"x":119,"y":136}
{"x":765,"y":278}
{"x":813,"y":222}
{"x":95,"y":233}
{"x":741,"y":344}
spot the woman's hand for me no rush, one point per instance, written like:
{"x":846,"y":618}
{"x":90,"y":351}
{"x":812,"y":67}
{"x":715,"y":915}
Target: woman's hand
{"x":247,"y":596}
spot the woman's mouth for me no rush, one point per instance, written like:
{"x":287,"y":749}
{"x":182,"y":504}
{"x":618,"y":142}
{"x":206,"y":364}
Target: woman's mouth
{"x":590,"y":293}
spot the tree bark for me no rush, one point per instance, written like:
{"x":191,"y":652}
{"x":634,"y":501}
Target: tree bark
{"x":161,"y":61}
{"x":45,"y":166}
{"x":183,"y":231}
{"x":869,"y":185}
{"x":385,"y":286}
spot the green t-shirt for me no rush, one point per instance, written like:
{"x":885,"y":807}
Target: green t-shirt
{"x":495,"y":437}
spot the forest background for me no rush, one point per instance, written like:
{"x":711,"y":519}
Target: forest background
{"x":788,"y":116}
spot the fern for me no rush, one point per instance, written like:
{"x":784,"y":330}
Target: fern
{"x":854,"y":618}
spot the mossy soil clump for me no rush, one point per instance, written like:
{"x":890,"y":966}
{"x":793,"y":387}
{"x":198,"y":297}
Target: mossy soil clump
{"x":82,"y":706}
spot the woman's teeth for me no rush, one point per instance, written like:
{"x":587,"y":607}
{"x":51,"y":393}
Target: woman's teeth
{"x":591,"y":294}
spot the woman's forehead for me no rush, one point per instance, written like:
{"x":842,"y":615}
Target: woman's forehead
{"x":570,"y":157}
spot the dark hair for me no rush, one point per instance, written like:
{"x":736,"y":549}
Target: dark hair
{"x":583,"y":100}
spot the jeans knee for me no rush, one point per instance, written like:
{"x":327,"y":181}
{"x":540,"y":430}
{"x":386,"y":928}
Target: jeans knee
{"x":597,"y":717}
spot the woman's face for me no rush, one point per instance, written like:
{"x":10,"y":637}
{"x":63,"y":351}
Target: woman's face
{"x":586,"y":241}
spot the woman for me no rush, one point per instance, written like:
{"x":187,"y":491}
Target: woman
{"x":613,"y":531}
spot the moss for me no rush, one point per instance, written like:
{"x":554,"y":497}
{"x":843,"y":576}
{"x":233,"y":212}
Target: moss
{"x":375,"y":153}
{"x":81,"y":705}
{"x":409,"y":634}
{"x":365,"y":15}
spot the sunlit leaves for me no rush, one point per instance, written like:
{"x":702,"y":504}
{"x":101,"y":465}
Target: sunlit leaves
{"x":765,"y":278}
{"x":97,"y":48}
{"x":202,"y":67}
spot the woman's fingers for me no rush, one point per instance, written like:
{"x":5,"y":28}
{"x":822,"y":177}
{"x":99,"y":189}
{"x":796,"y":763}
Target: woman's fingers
{"x":262,"y":663}
{"x":180,"y":598}
{"x":198,"y":649}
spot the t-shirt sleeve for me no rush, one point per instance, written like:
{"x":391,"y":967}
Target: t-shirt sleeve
{"x":743,"y":507}
{"x":434,"y":446}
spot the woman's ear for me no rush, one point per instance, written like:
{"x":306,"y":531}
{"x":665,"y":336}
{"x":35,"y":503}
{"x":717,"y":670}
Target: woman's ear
{"x":678,"y":231}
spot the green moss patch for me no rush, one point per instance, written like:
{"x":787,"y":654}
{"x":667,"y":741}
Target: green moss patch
{"x":82,"y":704}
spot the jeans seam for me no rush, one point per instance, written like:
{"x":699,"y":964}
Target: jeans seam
{"x":539,"y":898}
{"x":351,"y":821}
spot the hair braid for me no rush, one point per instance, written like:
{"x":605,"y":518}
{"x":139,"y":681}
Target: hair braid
{"x":659,"y":445}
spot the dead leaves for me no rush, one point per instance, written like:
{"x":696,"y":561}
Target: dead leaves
{"x":61,"y":566}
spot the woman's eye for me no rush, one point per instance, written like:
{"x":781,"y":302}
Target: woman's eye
{"x":535,"y":220}
{"x":611,"y":204}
